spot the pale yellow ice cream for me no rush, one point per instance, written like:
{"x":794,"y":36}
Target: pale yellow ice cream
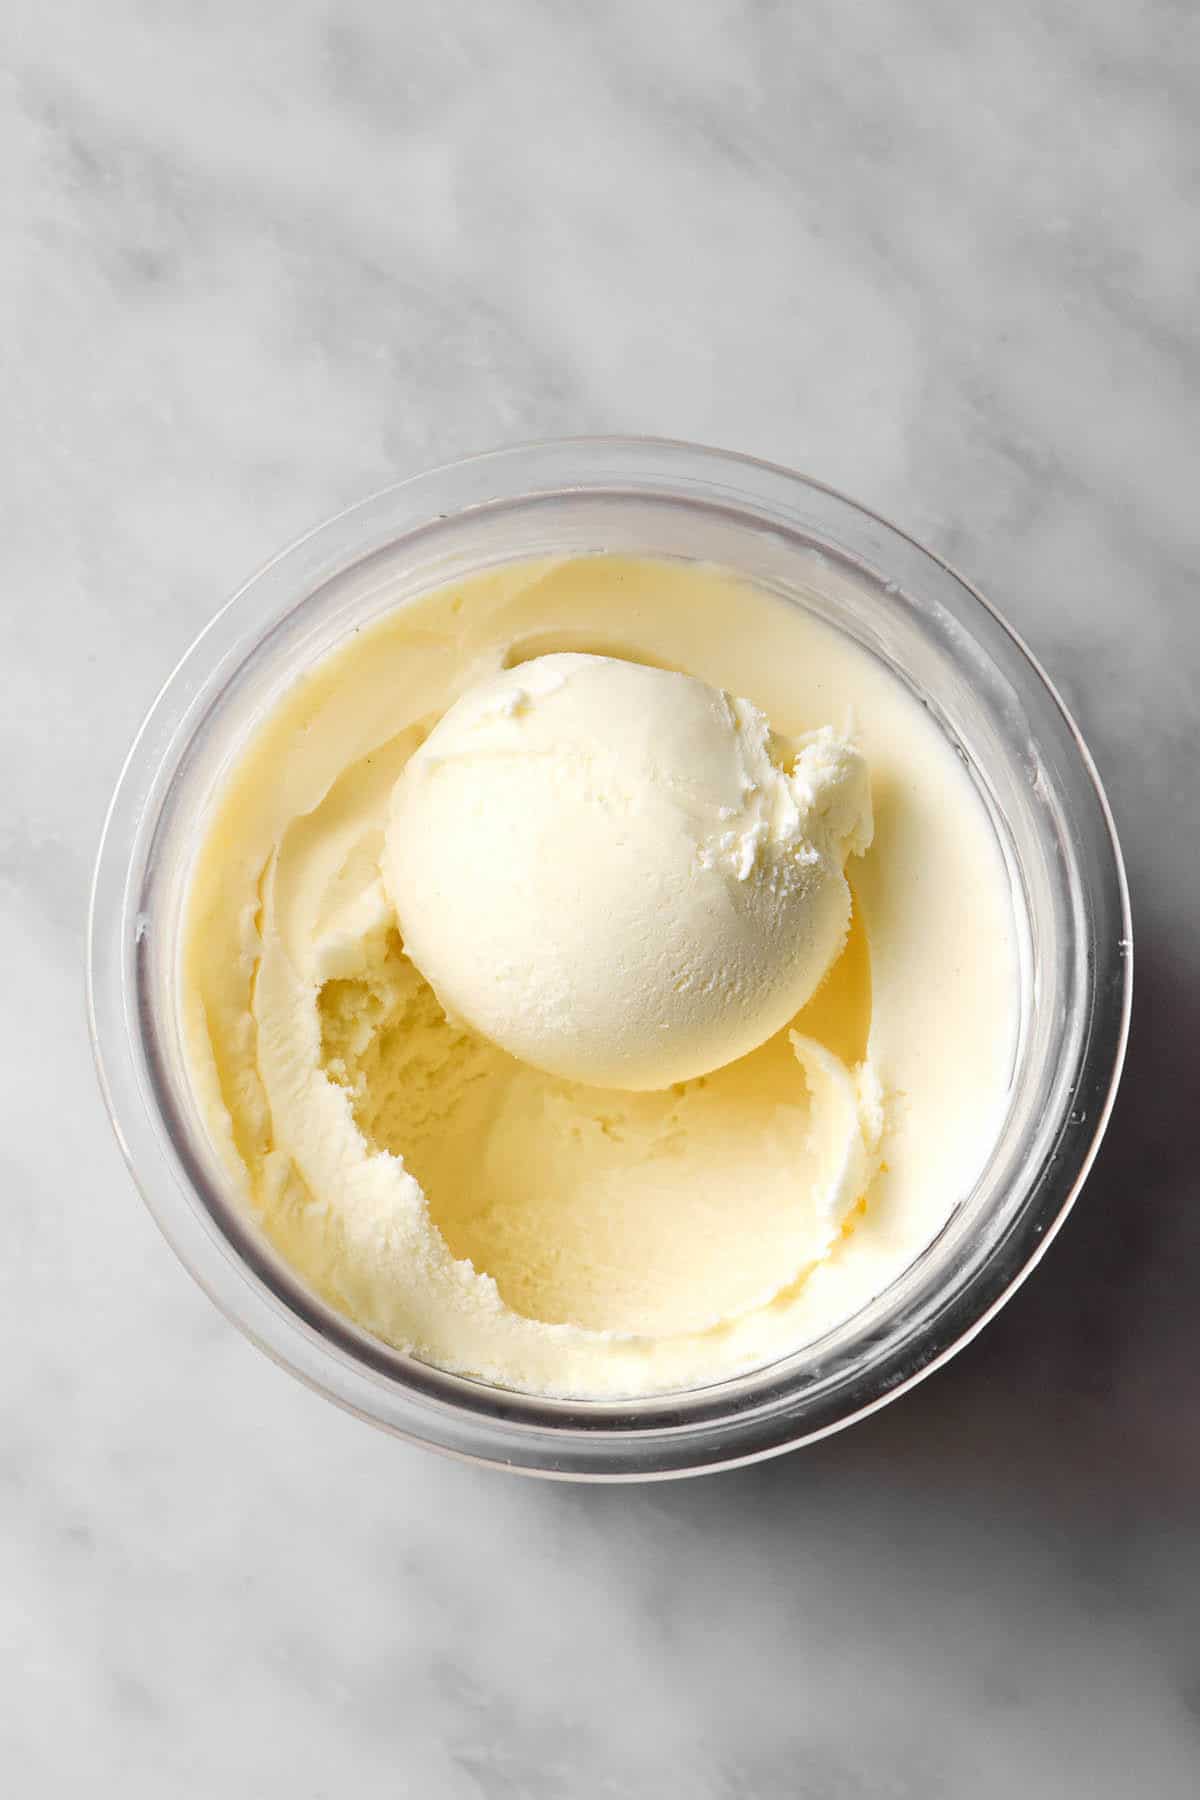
{"x":522,"y":1226}
{"x":620,"y":874}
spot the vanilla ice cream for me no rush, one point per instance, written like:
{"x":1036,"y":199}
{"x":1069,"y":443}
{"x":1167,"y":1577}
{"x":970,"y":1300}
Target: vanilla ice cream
{"x":558,"y":1017}
{"x":619,"y":874}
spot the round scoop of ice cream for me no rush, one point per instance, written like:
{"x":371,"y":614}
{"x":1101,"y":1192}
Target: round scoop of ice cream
{"x":619,"y":874}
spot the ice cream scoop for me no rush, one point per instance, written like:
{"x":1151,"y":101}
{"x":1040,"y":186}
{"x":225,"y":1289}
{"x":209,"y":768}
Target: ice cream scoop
{"x":620,"y":874}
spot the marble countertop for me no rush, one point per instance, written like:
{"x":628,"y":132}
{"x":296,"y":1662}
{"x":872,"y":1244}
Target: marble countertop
{"x":261,"y":260}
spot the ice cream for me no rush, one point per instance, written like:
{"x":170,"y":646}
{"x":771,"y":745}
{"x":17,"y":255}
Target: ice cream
{"x":411,"y":1131}
{"x":619,"y":874}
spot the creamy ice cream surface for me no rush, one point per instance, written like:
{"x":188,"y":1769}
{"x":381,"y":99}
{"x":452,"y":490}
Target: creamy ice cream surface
{"x":549,"y":1001}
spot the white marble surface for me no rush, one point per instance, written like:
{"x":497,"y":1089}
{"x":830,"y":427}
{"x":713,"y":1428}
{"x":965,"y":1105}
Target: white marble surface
{"x":258,"y":260}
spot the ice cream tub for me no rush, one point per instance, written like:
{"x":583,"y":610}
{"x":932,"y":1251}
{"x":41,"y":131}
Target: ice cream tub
{"x":814,"y":550}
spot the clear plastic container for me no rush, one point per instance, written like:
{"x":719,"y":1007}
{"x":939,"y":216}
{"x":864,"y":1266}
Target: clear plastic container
{"x":1070,"y":907}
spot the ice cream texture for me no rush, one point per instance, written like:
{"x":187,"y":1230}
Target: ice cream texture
{"x":620,"y":874}
{"x":542,"y":1124}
